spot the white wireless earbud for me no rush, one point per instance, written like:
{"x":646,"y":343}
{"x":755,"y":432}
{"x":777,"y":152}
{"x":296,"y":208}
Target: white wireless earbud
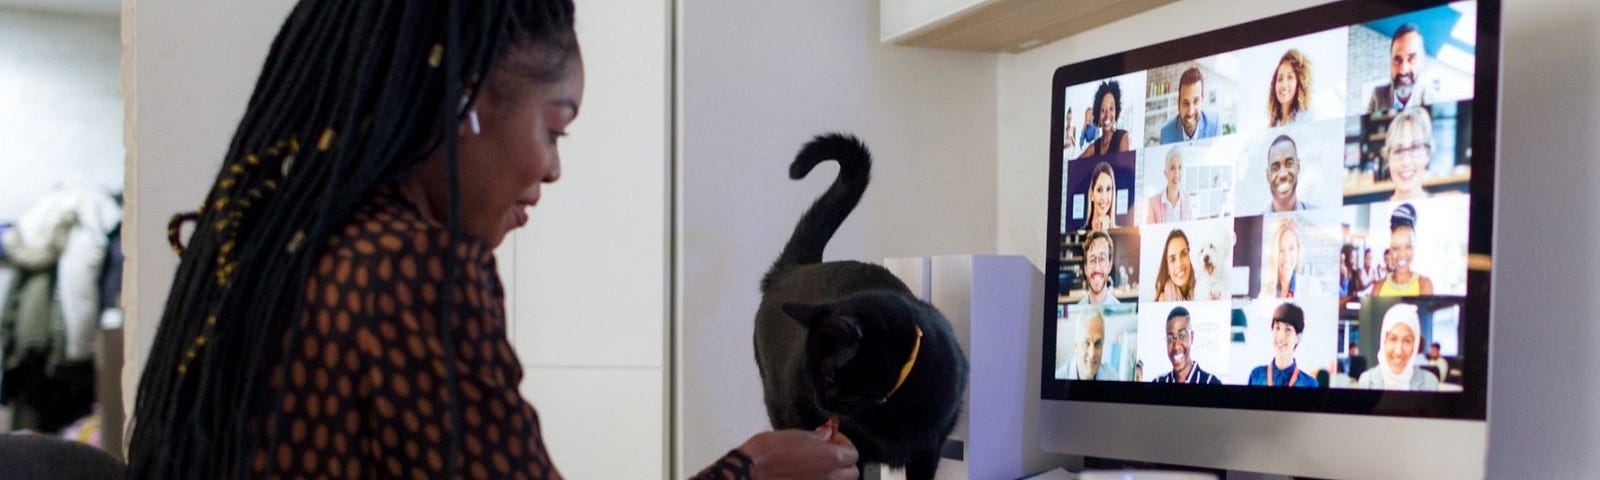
{"x":472,"y":117}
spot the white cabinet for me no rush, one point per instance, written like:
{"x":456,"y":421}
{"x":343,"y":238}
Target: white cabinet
{"x":997,"y":25}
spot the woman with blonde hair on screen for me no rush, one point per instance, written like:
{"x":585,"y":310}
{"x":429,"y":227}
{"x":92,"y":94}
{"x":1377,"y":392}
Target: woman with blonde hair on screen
{"x":1408,"y":147}
{"x":1289,"y":94}
{"x":1283,"y":261}
{"x":1397,"y":353}
{"x":1175,"y":278}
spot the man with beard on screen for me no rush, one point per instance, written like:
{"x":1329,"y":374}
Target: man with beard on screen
{"x":1407,"y":57}
{"x":1190,"y":122}
{"x":1099,"y":254}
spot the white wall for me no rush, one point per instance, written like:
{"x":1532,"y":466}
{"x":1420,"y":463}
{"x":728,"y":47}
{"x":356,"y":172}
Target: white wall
{"x":588,"y":290}
{"x":1540,"y":425}
{"x":188,"y":69}
{"x":60,"y":110}
{"x":756,"y":80}
{"x":591,"y":268}
{"x":1540,"y":421}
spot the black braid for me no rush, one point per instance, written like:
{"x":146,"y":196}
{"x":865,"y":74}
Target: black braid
{"x":352,"y":95}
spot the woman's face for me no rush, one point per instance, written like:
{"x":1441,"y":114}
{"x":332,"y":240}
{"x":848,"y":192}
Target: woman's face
{"x":1108,"y":112}
{"x":1174,"y":171}
{"x":1399,"y":345}
{"x":502,"y":167}
{"x":1401,"y":242}
{"x":1100,"y":195}
{"x":1285,"y":84}
{"x":1177,"y":258}
{"x":1408,"y":157}
{"x":1288,"y":254}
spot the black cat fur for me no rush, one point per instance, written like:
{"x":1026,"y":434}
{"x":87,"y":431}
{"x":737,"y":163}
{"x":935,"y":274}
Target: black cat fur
{"x":832,"y":337}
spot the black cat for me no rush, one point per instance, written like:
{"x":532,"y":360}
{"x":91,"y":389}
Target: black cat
{"x":848,"y":339}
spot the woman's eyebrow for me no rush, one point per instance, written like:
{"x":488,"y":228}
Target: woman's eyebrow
{"x":568,"y":102}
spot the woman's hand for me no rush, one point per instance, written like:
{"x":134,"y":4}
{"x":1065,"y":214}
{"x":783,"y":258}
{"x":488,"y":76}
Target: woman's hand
{"x":800,"y":454}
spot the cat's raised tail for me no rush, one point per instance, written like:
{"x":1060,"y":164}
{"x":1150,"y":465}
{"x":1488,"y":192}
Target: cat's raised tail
{"x":819,"y":223}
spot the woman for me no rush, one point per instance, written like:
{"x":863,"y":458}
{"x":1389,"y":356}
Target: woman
{"x":1175,"y":278}
{"x":1351,"y":279}
{"x":1107,"y":108}
{"x":1397,"y":354}
{"x":1171,"y":204}
{"x":1408,"y":147}
{"x":1289,"y":98}
{"x":1403,"y":281}
{"x":1283,"y":261}
{"x":337,"y":312}
{"x":1102,"y":198}
{"x":1069,"y":136}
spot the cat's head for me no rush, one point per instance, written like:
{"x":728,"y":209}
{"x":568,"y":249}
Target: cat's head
{"x":856,"y":347}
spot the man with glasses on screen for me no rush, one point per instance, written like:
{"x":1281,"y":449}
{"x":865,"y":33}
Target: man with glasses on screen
{"x":1288,"y":323}
{"x":1179,"y":339}
{"x":1089,"y":343}
{"x":1283,"y":176}
{"x":1407,"y":57}
{"x":1098,"y":252}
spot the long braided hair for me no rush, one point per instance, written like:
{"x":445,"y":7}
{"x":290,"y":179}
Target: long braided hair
{"x":352,"y":95}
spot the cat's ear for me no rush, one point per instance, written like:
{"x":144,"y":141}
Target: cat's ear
{"x":808,"y":315}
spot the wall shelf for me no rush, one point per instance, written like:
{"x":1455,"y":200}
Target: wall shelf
{"x":1008,"y":26}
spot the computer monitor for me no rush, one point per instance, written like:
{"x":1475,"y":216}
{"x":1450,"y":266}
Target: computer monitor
{"x":1269,"y":245}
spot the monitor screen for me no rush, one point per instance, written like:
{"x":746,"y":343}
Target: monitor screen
{"x":1288,"y":215}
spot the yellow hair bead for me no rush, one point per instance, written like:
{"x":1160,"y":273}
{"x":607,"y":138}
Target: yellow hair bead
{"x":294,"y":242}
{"x":436,"y":56}
{"x":325,"y":141}
{"x":252,"y":159}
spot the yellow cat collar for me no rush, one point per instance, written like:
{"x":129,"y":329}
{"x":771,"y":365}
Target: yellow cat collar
{"x":905,"y":371}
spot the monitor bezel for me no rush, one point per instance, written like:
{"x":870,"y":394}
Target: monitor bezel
{"x":1468,"y":404}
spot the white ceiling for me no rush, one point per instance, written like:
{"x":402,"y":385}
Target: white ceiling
{"x":96,"y":7}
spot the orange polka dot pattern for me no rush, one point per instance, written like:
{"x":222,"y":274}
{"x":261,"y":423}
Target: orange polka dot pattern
{"x":365,"y":394}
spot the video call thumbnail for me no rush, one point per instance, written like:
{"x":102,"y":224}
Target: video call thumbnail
{"x":1252,"y":213}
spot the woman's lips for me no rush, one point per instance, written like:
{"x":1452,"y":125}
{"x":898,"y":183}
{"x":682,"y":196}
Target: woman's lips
{"x":521,"y":210}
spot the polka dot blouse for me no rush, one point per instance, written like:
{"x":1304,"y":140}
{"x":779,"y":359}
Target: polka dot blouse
{"x":365,"y":393}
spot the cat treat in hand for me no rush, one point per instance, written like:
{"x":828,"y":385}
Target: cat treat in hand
{"x":828,"y":428}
